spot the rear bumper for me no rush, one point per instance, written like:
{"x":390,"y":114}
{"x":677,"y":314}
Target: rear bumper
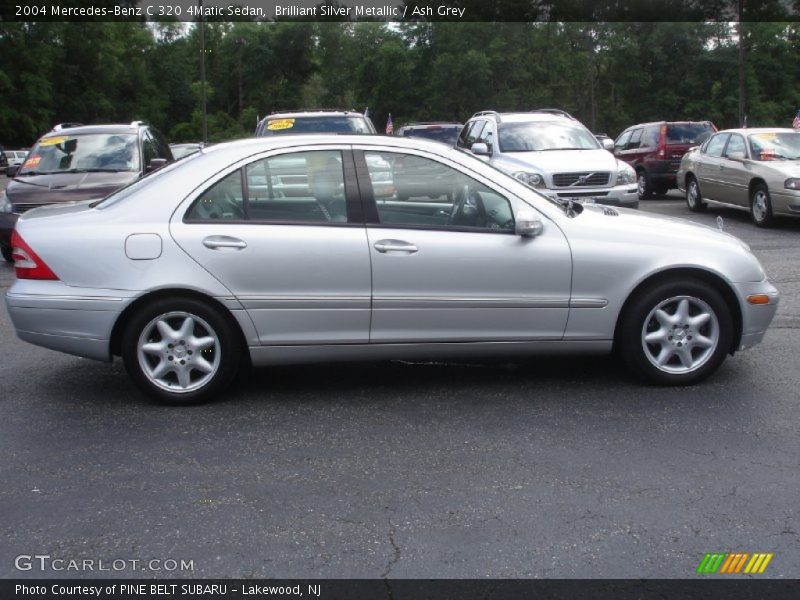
{"x":49,"y":314}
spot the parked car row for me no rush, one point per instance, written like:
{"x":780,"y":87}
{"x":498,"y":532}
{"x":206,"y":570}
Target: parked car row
{"x":77,"y":162}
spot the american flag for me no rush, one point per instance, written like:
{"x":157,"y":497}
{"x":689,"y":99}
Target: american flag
{"x":796,"y":121}
{"x":390,"y":127}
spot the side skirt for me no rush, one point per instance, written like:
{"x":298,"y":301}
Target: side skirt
{"x":284,"y":355}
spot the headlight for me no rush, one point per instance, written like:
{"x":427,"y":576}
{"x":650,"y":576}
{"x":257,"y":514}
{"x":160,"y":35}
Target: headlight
{"x":792,"y":184}
{"x":5,"y":203}
{"x":533,"y":180}
{"x":626,"y":174}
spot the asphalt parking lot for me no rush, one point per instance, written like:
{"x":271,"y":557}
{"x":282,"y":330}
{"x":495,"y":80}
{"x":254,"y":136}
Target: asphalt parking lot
{"x":537,"y":468}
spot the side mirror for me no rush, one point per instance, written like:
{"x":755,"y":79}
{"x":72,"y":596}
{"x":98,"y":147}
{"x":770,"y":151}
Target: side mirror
{"x":608,"y":144}
{"x":12,"y":170}
{"x":155,"y":164}
{"x":527,"y":224}
{"x":480,"y":149}
{"x":736,"y":155}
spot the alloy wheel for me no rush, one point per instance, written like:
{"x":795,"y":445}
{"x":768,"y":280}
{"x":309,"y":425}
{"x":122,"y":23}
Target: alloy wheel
{"x":179,"y":352}
{"x":680,"y":334}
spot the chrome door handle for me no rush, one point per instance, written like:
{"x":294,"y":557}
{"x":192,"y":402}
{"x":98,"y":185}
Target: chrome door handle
{"x":394,"y":246}
{"x":215,"y":242}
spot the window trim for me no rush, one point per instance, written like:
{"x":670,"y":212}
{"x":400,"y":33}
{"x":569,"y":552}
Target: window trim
{"x":372,"y":220}
{"x":352,"y":199}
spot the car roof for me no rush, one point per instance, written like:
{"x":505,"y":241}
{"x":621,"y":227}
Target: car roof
{"x":434,"y":123}
{"x":535,"y":116}
{"x":314,"y":113}
{"x":86,"y":129}
{"x":704,"y":121}
{"x":748,"y":130}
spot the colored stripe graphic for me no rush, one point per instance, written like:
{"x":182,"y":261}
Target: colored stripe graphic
{"x":733,"y":562}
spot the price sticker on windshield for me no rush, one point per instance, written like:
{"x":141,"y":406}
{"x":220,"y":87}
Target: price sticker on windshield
{"x":32,"y":161}
{"x":279,"y":124}
{"x":52,"y":141}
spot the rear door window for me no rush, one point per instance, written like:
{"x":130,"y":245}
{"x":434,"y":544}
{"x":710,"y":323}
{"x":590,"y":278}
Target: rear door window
{"x":688,"y":133}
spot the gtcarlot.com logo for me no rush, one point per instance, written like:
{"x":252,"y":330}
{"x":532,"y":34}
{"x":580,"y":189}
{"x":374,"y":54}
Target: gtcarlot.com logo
{"x":732,"y":563}
{"x":45,"y":562}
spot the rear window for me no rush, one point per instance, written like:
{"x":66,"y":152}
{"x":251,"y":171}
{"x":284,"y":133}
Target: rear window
{"x":688,"y":133}
{"x":447,"y":134}
{"x":329,"y":124}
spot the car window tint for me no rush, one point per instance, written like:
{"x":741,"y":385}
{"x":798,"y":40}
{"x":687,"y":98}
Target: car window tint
{"x":223,"y":201}
{"x":149,"y":150}
{"x":650,"y":137}
{"x":716,"y":144}
{"x":297,"y":187}
{"x":636,"y":138}
{"x":427,"y":193}
{"x":736,"y":144}
{"x":622,"y":141}
{"x":487,"y":136}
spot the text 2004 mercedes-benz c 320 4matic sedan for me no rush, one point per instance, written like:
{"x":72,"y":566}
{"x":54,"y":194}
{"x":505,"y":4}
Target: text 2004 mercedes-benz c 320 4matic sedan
{"x":299,"y":249}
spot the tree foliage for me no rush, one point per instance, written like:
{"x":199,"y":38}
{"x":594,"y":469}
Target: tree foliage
{"x":608,"y":74}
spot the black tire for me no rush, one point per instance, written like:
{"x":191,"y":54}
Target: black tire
{"x":761,"y":206}
{"x":643,"y":184}
{"x":225,"y":355}
{"x":6,"y":253}
{"x":637,"y":321}
{"x":661,"y":190}
{"x":694,"y":199}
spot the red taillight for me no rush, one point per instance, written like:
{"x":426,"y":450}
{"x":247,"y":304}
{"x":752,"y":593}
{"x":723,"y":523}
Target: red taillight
{"x":662,"y":142}
{"x":27,"y":263}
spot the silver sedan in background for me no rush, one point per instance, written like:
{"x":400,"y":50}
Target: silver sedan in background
{"x":210,"y":262}
{"x":755,"y":169}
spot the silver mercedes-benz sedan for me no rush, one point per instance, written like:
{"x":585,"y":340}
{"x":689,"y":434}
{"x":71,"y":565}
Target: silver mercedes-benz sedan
{"x":278,"y":250}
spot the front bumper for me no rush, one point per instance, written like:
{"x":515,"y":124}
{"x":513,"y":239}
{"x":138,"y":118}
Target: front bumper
{"x":755,"y":317}
{"x":50,"y":314}
{"x":620,"y":195}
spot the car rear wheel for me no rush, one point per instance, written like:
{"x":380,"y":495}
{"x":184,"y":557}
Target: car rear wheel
{"x":6,"y":253}
{"x":761,"y":206}
{"x":693,"y":198}
{"x":180,"y":351}
{"x":643,"y":184}
{"x":676,"y":332}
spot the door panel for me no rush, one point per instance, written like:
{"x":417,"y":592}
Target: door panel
{"x":446,"y":265}
{"x":303,"y":282}
{"x":465,"y":286}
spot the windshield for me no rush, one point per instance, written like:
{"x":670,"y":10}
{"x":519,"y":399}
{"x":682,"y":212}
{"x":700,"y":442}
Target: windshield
{"x":537,"y":136}
{"x":775,"y":146}
{"x":446,"y":134}
{"x":688,"y":133}
{"x":83,"y":152}
{"x":327,"y":124}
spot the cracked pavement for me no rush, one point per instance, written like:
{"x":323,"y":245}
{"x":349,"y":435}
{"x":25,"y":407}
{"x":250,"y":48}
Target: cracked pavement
{"x":536,"y":468}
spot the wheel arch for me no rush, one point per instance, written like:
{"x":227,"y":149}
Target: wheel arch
{"x":118,"y":329}
{"x":712,"y":279}
{"x":753,"y":183}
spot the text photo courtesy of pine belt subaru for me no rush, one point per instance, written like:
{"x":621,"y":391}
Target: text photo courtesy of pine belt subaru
{"x":193,"y":270}
{"x":74,"y":162}
{"x":753,"y":169}
{"x":552,"y":152}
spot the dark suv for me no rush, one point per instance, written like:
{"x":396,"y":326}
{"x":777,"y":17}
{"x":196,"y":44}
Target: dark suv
{"x":315,"y":121}
{"x":79,"y":163}
{"x":655,"y":151}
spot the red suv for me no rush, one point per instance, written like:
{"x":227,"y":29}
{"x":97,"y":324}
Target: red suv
{"x":655,"y":151}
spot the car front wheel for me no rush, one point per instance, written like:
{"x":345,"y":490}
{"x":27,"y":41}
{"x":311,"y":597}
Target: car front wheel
{"x":6,"y":253}
{"x":180,"y":351}
{"x":693,"y":198}
{"x":761,"y":206}
{"x":676,"y":332}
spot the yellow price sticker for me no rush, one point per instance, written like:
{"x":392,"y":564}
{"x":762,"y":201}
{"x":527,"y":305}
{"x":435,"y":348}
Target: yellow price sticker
{"x":52,"y":141}
{"x":279,"y":124}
